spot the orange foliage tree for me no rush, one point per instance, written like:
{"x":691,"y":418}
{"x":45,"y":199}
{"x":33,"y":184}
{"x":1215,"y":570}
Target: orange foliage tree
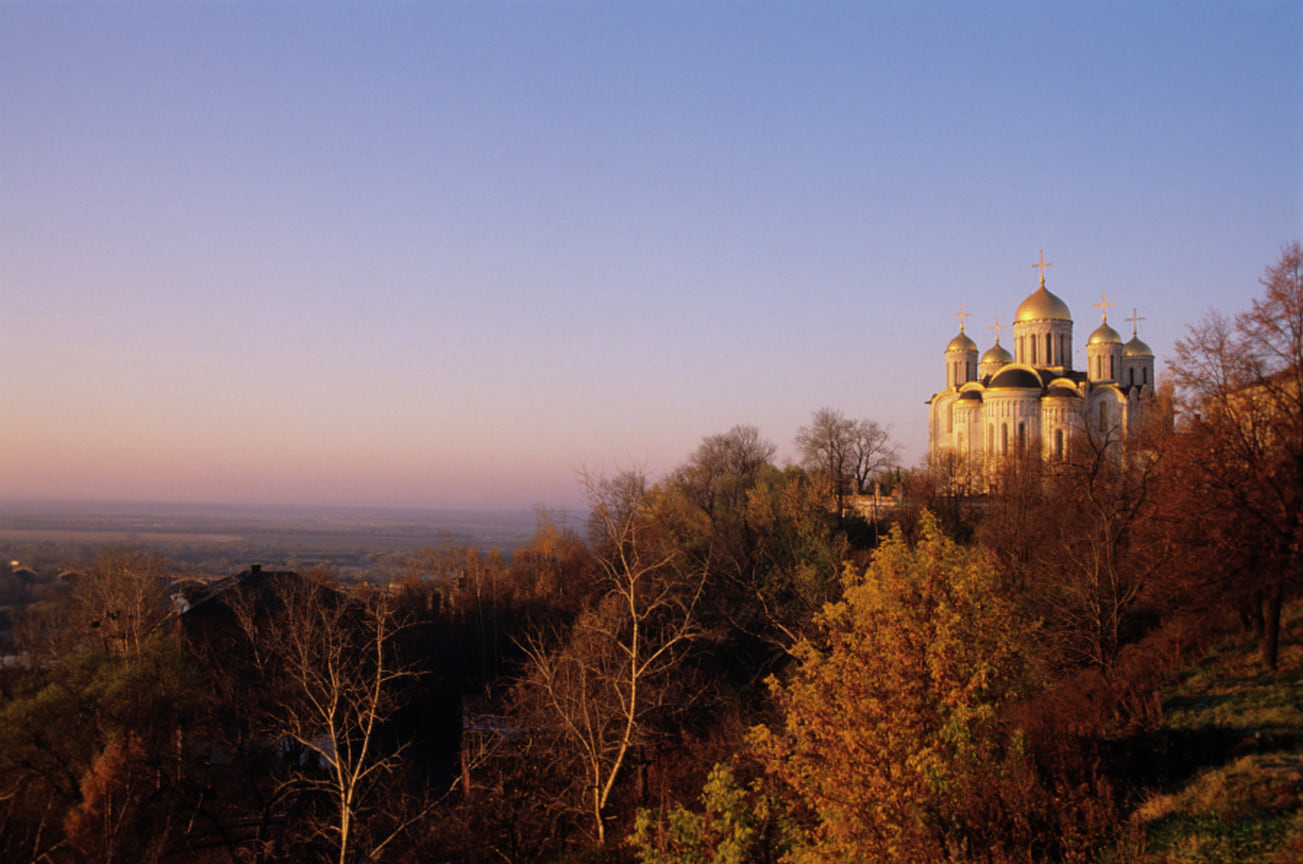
{"x":1241,"y":383}
{"x":892,"y":737}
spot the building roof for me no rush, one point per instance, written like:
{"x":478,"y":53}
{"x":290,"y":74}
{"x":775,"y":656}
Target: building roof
{"x":997,"y":354}
{"x":1042,"y":306}
{"x":961,"y":342}
{"x":1136,"y":348}
{"x":1017,"y":376}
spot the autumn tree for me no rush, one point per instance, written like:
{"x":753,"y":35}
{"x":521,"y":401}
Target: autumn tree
{"x":600,"y":688}
{"x":892,"y":735}
{"x":1240,"y":383}
{"x":90,"y":756}
{"x":849,"y":452}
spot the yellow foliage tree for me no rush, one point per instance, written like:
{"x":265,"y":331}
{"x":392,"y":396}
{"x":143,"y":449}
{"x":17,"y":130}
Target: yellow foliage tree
{"x":892,"y":737}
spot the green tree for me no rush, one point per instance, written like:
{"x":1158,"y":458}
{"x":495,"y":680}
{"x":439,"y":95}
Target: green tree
{"x":737,"y":824}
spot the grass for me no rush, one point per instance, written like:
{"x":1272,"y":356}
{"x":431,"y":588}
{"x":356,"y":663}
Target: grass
{"x":1238,"y":734}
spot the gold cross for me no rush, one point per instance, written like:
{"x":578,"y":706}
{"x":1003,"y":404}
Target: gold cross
{"x":997,"y":328}
{"x":1134,"y":320}
{"x":961,"y":315}
{"x":1043,"y":265}
{"x":1103,"y":307}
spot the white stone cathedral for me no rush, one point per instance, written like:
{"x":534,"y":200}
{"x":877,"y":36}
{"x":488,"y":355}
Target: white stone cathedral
{"x":1000,"y":404}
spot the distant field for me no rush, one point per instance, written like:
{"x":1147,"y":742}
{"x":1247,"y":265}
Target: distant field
{"x":236,"y":535}
{"x":75,"y":535}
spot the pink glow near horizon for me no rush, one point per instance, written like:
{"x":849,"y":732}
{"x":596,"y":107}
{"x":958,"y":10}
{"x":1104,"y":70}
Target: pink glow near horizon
{"x":452,"y":254}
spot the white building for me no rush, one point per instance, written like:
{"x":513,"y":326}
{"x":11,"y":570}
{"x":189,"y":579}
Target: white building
{"x":999,"y":404}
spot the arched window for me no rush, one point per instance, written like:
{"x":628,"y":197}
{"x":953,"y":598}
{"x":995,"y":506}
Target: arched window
{"x":1032,"y":340}
{"x":1004,"y":439}
{"x":1049,"y":349}
{"x":1144,"y":375}
{"x":1058,"y":443}
{"x":1110,"y":367}
{"x":1022,"y":436}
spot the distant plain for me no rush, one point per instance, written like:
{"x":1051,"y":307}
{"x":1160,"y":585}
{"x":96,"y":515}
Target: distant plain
{"x":217,"y":537}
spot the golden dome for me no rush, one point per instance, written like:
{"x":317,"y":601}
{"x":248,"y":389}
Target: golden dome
{"x":1042,"y":306}
{"x":1104,"y":335}
{"x":1136,"y":348}
{"x":997,"y":354}
{"x":961,"y":343}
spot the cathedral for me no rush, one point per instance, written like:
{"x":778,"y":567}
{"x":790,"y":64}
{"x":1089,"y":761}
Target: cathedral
{"x":1001,"y":404}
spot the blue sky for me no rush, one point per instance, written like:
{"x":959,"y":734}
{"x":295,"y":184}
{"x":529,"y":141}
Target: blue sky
{"x":449,"y":254}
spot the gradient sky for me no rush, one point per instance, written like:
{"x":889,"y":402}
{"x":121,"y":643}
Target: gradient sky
{"x":450,"y":253}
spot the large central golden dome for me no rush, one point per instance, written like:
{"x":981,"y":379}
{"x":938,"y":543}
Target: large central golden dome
{"x":1042,"y":306}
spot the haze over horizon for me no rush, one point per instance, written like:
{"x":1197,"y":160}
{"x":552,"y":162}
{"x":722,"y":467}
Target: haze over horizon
{"x":449,"y":254}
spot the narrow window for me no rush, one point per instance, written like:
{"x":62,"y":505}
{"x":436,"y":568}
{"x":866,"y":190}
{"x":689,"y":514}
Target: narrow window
{"x":1022,"y":436}
{"x":1004,"y":439}
{"x":1110,"y":367}
{"x":1049,"y":349}
{"x":1032,"y":340}
{"x":1058,"y":443}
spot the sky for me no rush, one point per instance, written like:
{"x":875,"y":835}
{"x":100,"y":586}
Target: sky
{"x":454,"y":254}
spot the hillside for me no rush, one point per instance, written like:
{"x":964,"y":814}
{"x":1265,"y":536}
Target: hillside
{"x":1231,"y":751}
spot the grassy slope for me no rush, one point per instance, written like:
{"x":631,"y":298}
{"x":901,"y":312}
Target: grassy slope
{"x":1231,"y":746}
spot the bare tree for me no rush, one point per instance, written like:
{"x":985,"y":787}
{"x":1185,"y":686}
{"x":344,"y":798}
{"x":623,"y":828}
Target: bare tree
{"x":847,"y":451}
{"x":122,"y":598}
{"x":602,"y":685}
{"x":330,"y":660}
{"x":719,"y":468}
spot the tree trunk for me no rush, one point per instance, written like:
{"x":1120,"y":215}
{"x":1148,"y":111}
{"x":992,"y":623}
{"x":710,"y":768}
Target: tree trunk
{"x":1270,"y":640}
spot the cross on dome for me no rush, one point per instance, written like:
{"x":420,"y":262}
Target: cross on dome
{"x":961,"y":315}
{"x":1134,"y":320}
{"x":1043,"y":265}
{"x":1103,"y":307}
{"x":997,"y":328}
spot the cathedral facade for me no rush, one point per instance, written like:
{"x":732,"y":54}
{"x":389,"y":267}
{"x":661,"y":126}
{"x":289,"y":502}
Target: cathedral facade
{"x":1000,"y":404}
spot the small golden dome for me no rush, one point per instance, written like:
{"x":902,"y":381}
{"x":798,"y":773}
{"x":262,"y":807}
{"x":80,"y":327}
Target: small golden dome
{"x":1104,"y":335}
{"x":1042,"y":306}
{"x":1136,"y":348}
{"x":997,"y":354}
{"x":961,"y":343}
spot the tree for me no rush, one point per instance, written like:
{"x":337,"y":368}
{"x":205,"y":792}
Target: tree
{"x":121,"y":599}
{"x":892,"y":729}
{"x":1240,"y":383}
{"x":601,"y":687}
{"x":720,"y":469}
{"x":848,"y":451}
{"x":328,"y":660}
{"x":738,"y":824}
